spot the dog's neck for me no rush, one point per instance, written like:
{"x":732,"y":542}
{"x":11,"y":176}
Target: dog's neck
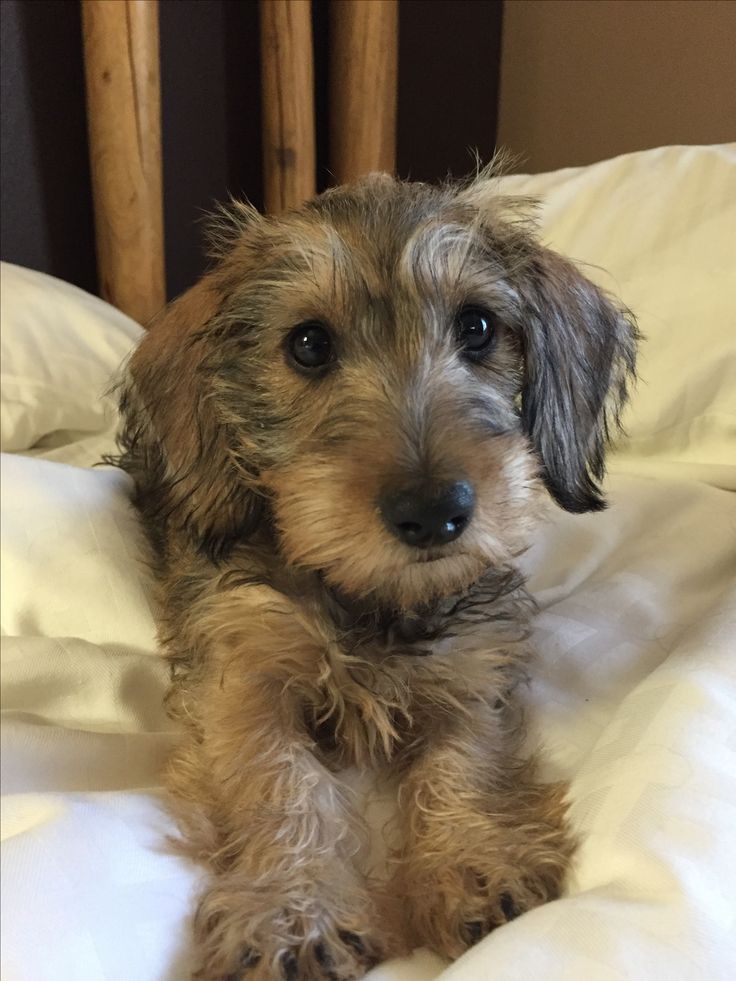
{"x":412,"y":631}
{"x":360,"y":618}
{"x":364,"y":622}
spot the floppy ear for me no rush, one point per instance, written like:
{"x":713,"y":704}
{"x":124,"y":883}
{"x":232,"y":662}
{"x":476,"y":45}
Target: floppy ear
{"x":579,"y":347}
{"x":174,"y":442}
{"x":580,"y":355}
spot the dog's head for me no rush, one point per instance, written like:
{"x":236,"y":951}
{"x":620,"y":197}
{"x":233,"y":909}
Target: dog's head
{"x":386,"y":373}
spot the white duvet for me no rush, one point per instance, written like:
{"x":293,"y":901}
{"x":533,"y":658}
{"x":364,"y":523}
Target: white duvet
{"x":635,"y":691}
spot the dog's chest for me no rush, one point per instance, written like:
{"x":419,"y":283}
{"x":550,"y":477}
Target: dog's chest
{"x":378,"y":702}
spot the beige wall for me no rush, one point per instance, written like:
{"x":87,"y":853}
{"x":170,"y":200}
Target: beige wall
{"x":582,"y":80}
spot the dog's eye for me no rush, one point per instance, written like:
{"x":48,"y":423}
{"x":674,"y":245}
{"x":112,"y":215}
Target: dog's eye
{"x":474,"y":330}
{"x":310,"y":345}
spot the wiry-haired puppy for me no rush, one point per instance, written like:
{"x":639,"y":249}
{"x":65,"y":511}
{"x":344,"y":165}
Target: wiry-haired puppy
{"x":341,"y":438}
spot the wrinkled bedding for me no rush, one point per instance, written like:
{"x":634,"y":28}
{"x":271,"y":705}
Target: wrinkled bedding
{"x":634,"y":695}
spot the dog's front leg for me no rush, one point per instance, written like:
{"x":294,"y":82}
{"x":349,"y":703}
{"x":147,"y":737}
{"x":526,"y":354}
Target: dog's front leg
{"x":284,"y":899}
{"x":484,"y":840}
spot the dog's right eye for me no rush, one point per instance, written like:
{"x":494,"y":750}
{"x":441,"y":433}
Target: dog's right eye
{"x":474,"y":330}
{"x":310,"y":345}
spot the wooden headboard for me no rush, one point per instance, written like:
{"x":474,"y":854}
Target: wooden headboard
{"x":229,"y":104}
{"x":121,"y":54}
{"x":224,"y":105}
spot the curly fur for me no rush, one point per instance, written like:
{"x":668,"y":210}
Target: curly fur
{"x":305,"y":638}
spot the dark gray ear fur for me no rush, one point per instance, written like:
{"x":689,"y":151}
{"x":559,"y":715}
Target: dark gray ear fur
{"x":580,"y":357}
{"x":579,"y":346}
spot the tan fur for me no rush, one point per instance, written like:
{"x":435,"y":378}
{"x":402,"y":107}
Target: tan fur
{"x":304,"y":637}
{"x":285,"y":834}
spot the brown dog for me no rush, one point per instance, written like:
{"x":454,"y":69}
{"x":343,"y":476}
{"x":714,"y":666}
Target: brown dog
{"x":340,"y":439}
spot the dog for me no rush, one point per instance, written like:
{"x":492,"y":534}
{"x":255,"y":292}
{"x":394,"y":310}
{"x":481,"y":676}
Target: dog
{"x":341,"y":440}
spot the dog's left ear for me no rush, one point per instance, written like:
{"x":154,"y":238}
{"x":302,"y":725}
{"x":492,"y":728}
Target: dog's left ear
{"x":579,"y":348}
{"x":579,"y":352}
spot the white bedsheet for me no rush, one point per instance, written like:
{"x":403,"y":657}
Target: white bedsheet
{"x":634,"y":696}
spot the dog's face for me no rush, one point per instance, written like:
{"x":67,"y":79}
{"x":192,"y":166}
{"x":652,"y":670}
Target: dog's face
{"x":386,"y":374}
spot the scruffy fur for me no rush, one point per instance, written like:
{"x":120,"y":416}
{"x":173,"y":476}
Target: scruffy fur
{"x":304,"y":637}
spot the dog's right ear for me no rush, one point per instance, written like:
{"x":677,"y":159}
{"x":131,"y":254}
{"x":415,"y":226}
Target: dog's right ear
{"x":173,"y":441}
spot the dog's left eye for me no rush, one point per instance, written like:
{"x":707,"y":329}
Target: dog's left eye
{"x":310,"y":345}
{"x":474,"y":330}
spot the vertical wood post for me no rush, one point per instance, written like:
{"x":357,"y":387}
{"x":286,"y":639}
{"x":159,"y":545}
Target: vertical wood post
{"x":288,"y":103}
{"x":363,"y":79}
{"x":121,"y":54}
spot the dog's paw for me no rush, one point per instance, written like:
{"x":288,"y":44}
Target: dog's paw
{"x":459,"y":904}
{"x":489,"y":869}
{"x":345,"y":957}
{"x":238,"y":940}
{"x":466,"y":906}
{"x":503,"y":910}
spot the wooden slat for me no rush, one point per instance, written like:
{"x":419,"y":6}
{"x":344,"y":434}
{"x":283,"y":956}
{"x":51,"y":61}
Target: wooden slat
{"x":121,"y":52}
{"x":288,"y":103}
{"x":363,"y":77}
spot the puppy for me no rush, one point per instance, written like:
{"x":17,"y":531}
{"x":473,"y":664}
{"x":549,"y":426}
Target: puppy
{"x":341,"y":439}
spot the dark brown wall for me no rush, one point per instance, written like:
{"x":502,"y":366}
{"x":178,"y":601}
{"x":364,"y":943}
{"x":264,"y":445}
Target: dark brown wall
{"x":210,"y":71}
{"x":585,"y":81}
{"x":45,"y":199}
{"x":449,"y":66}
{"x":210,"y":121}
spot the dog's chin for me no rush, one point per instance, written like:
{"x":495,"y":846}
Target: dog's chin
{"x":417,"y":582}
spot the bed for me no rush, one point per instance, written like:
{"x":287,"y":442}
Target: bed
{"x":634,"y":697}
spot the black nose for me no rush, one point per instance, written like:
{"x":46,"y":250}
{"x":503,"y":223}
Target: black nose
{"x":429,"y":515}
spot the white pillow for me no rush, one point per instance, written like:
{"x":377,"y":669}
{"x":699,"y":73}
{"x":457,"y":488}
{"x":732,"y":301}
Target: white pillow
{"x":658,"y":229}
{"x":60,"y":348}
